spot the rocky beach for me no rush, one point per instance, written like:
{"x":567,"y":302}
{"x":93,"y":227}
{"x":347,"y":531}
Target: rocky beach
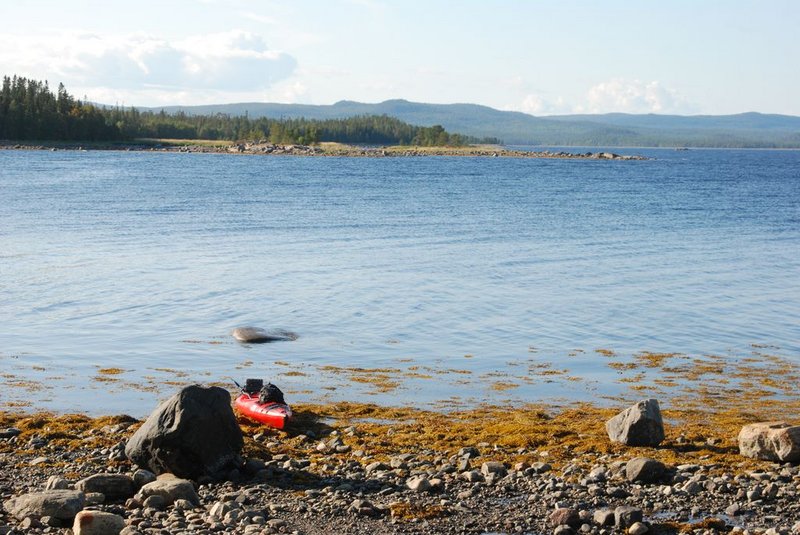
{"x":353,"y":468}
{"x":322,"y":150}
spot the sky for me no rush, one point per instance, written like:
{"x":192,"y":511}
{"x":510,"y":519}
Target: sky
{"x":540,"y":57}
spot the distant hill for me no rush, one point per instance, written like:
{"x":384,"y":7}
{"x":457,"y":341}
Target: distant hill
{"x":515,"y":128}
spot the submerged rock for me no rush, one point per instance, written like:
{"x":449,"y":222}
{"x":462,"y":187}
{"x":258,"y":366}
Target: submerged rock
{"x":771,"y":441}
{"x":257,"y":335}
{"x":192,"y":434}
{"x":638,"y":425}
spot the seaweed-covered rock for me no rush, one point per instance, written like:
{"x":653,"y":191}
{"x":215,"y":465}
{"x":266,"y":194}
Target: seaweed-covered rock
{"x":771,"y":441}
{"x":638,"y":425}
{"x":193,"y":434}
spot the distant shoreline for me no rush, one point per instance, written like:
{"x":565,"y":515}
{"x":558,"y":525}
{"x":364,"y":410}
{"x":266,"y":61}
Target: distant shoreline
{"x":321,"y":150}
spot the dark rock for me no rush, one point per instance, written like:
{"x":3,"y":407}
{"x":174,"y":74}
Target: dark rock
{"x":644,"y":469}
{"x":192,"y":434}
{"x":565,"y":516}
{"x":626,"y":516}
{"x":638,"y":425}
{"x":257,"y":335}
{"x":470,"y":452}
{"x":113,"y":486}
{"x":29,"y":523}
{"x":9,"y":432}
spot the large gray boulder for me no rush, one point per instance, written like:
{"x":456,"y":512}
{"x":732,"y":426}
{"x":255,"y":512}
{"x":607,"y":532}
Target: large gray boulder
{"x":771,"y":441}
{"x":193,"y":434}
{"x":61,"y":504}
{"x":638,"y":425}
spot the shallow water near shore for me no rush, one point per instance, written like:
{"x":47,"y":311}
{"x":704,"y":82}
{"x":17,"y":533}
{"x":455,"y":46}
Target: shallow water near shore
{"x":444,"y":281}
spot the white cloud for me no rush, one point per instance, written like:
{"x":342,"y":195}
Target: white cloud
{"x":537,"y":105}
{"x":633,"y":96}
{"x":616,"y":95}
{"x":372,"y":5}
{"x":289,"y":92}
{"x":262,"y":19}
{"x":229,"y":61}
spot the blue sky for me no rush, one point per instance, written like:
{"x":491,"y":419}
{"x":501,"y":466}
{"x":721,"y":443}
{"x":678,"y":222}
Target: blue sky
{"x":539,"y":57}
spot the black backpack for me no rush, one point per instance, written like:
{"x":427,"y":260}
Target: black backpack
{"x":271,"y":394}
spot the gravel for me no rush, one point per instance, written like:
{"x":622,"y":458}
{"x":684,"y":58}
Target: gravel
{"x":467,"y":490}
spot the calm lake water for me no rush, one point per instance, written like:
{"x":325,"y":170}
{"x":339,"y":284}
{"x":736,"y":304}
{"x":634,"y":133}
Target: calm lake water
{"x":122,"y":271}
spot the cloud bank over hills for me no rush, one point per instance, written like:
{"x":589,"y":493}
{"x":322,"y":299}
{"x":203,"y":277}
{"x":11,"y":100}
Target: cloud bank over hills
{"x":234,"y":62}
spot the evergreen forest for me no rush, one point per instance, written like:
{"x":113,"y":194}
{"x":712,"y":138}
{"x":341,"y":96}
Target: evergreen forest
{"x":30,"y":110}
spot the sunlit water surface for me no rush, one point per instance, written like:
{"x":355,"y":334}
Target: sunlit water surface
{"x":462,"y":276}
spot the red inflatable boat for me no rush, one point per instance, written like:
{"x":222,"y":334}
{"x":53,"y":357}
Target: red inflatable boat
{"x":271,"y":413}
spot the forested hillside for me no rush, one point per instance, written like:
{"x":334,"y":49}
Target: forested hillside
{"x":615,"y":129}
{"x":29,"y":110}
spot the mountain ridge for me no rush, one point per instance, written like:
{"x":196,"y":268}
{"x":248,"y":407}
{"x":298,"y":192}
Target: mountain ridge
{"x":748,"y":129}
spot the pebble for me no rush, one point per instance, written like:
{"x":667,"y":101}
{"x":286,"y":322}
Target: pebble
{"x":418,"y":484}
{"x":638,"y":528}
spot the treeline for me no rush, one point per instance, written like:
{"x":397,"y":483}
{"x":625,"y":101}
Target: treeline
{"x":29,"y":110}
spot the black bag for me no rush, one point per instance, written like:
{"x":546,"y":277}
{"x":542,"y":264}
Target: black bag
{"x":251,"y":386}
{"x":271,"y":394}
